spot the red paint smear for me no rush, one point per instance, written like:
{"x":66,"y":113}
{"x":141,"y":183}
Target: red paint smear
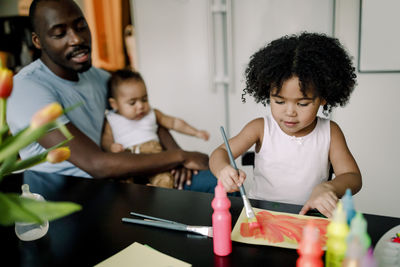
{"x":276,"y":227}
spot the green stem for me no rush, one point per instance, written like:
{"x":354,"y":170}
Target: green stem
{"x":3,"y":107}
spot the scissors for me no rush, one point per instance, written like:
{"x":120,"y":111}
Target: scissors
{"x":162,"y":223}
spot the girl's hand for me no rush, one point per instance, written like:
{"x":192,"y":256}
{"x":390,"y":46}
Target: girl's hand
{"x":231,"y":179}
{"x":323,"y":198}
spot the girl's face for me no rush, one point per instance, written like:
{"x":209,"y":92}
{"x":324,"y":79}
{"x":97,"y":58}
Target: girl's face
{"x":294,"y":112}
{"x":131,"y":100}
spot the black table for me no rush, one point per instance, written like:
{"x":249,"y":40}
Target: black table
{"x":92,"y":235}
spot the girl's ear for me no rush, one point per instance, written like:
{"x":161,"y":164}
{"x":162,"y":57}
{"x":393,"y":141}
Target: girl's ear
{"x":113,"y":103}
{"x":323,"y":102}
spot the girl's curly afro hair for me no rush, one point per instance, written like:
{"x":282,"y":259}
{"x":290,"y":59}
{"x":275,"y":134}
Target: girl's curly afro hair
{"x":320,"y":62}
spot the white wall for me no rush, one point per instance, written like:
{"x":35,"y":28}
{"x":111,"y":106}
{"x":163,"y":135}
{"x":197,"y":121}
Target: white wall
{"x":371,"y":124}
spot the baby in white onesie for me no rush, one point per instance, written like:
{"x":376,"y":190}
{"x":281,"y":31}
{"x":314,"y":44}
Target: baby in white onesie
{"x":132,"y":124}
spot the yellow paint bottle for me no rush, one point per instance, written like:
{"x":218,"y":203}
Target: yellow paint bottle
{"x":337,"y":232}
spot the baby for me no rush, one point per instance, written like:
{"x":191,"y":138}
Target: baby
{"x":134,"y":123}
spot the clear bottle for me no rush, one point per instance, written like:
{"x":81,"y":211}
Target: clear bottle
{"x":30,"y":231}
{"x":354,"y":253}
{"x":222,"y":222}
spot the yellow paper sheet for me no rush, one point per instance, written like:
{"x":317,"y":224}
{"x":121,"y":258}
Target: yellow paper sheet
{"x":140,"y":255}
{"x":279,"y":229}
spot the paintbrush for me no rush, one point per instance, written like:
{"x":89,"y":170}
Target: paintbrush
{"x":251,"y":217}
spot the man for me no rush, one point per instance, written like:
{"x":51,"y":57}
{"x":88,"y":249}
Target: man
{"x":64,"y":74}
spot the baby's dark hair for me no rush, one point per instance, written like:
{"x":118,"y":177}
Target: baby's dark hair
{"x":320,"y":62}
{"x":120,"y":76}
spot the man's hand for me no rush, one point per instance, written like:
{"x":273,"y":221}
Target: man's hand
{"x":323,"y":198}
{"x":182,"y":176}
{"x":195,"y":160}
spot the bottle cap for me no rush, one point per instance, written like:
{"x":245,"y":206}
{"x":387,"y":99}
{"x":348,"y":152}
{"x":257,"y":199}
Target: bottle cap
{"x":220,"y":190}
{"x":26,"y":192}
{"x":310,"y":243}
{"x":368,"y":260}
{"x":339,"y":215}
{"x":348,"y":205}
{"x":358,"y":228}
{"x":338,"y":225}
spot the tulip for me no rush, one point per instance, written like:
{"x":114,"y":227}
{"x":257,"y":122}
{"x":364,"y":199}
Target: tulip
{"x":58,"y":155}
{"x":6,"y":83}
{"x":45,"y":115}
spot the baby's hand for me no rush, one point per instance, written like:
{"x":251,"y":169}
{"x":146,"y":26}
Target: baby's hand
{"x":231,"y":179}
{"x":116,"y":148}
{"x":322,"y":198}
{"x":203,"y":135}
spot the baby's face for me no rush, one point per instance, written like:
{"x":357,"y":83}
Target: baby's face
{"x":294,"y":112}
{"x":131,"y":100}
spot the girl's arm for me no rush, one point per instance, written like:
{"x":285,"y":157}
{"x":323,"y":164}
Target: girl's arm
{"x":347,"y":175}
{"x":219,"y":163}
{"x":179,"y":125}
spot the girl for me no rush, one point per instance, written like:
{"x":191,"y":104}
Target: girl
{"x":294,"y":147}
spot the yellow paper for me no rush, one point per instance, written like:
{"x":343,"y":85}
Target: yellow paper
{"x":140,"y":255}
{"x":280,"y":229}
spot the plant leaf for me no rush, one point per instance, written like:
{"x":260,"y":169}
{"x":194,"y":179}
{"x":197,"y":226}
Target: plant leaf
{"x":14,"y":208}
{"x":3,"y":129}
{"x":32,"y":161}
{"x":7,"y":165}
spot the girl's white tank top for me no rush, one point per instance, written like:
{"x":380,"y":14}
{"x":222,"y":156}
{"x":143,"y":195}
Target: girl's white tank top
{"x":287,"y":168}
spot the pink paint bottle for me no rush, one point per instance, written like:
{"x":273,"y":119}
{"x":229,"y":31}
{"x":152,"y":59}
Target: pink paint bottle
{"x":222,"y":222}
{"x":310,"y":249}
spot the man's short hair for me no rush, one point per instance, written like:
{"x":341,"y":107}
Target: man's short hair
{"x":32,"y":11}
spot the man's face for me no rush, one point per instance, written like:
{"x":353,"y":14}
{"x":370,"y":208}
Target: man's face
{"x":63,"y":36}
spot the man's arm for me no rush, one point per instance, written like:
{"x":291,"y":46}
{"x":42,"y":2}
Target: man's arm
{"x":107,"y":138}
{"x":86,"y":155}
{"x":166,"y":139}
{"x":181,"y":174}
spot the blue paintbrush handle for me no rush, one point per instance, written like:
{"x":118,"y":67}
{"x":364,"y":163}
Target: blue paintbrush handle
{"x":154,"y":218}
{"x":249,"y":210}
{"x":172,"y":226}
{"x":231,"y":159}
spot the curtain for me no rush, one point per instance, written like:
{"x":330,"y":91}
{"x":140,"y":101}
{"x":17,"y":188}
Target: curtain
{"x":105,"y":21}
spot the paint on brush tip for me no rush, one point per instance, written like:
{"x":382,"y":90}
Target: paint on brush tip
{"x":255,"y":224}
